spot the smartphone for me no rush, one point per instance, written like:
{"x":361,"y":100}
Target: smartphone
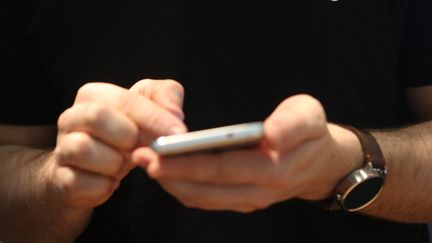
{"x":210,"y":140}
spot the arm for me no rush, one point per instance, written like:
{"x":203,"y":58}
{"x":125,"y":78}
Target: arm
{"x":28,"y":204}
{"x":47,"y":195}
{"x":407,"y":196}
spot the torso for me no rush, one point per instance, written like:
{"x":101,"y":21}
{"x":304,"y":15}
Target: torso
{"x":237,"y":60}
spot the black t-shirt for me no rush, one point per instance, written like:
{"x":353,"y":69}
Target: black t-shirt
{"x":237,"y":60}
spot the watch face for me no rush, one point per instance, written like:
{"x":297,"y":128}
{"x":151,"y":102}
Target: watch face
{"x":363,"y":194}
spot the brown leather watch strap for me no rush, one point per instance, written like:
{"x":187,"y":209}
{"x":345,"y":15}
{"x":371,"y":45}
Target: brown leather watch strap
{"x":371,"y":149}
{"x":349,"y":195}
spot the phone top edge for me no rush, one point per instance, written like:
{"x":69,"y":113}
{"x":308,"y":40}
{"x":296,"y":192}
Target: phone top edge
{"x":256,"y":127}
{"x":226,"y":136}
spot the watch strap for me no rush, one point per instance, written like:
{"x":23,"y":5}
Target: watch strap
{"x":371,"y":149}
{"x":372,"y":156}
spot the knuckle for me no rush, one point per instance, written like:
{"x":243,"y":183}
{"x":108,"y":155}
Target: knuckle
{"x":71,"y":189}
{"x":143,"y":82}
{"x":143,"y":87}
{"x":86,"y":91}
{"x":170,"y":83}
{"x":82,"y":144}
{"x":174,"y":88}
{"x":67,"y":181}
{"x":76,"y":147}
{"x":63,"y":120}
{"x":95,"y":114}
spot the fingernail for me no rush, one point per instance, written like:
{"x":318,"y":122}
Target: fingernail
{"x":178,"y":130}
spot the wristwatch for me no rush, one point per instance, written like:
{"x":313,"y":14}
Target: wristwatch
{"x":361,"y":187}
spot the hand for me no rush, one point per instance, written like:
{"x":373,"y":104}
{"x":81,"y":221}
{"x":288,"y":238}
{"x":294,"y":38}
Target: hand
{"x":301,"y":156}
{"x":96,"y":135}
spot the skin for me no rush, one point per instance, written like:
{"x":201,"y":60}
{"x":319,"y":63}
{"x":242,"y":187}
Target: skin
{"x":92,"y":154}
{"x":301,"y":156}
{"x":304,"y":156}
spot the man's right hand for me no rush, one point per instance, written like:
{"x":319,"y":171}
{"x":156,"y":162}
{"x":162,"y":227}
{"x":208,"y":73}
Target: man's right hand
{"x":97,"y":133}
{"x":49,"y":196}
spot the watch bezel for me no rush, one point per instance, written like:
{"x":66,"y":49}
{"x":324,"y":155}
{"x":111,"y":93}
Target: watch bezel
{"x":356,"y":179}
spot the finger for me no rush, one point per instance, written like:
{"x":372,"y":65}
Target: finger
{"x":240,"y":198}
{"x":79,"y":150}
{"x":108,"y":125}
{"x":249,"y":166}
{"x":83,"y":189}
{"x":297,"y":119}
{"x":151,"y":119}
{"x":167,"y":93}
{"x":129,"y":165}
{"x":142,"y":156}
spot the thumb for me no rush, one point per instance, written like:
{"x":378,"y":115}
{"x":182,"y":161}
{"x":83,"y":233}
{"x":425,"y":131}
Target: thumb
{"x":297,"y":119}
{"x":166,"y":93}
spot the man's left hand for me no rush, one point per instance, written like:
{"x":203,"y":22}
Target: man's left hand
{"x":301,"y":156}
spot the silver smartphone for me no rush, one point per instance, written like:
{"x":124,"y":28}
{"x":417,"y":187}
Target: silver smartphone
{"x":214,"y":139}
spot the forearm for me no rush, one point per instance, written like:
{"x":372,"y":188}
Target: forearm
{"x":407,"y":195}
{"x":29,"y":211}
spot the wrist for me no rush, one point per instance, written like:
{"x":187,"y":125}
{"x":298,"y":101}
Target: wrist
{"x":347,"y":156}
{"x":77,"y":218}
{"x":32,"y":205}
{"x":341,"y":156}
{"x":362,"y":186}
{"x":349,"y":151}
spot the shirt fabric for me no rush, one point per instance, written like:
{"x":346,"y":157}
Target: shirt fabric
{"x":237,"y":60}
